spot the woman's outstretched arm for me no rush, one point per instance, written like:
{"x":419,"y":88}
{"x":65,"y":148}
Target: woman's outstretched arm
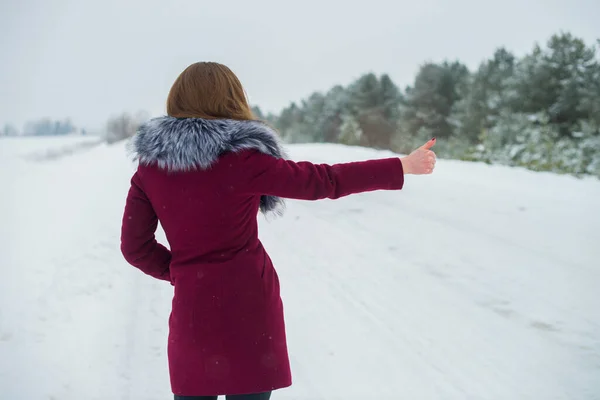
{"x":264,"y":174}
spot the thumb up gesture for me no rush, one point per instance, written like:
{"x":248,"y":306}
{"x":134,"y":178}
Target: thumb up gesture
{"x":421,"y":161}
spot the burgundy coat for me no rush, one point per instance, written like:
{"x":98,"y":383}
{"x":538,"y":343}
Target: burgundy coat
{"x":205,"y":180}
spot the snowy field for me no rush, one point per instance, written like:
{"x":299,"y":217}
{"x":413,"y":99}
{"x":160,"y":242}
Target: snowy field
{"x":479,"y":282}
{"x":40,"y":149}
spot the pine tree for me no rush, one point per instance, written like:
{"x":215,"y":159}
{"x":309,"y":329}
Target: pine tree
{"x":486,"y":95}
{"x":541,"y":111}
{"x":350,"y":131}
{"x":590,"y":96}
{"x":553,"y":81}
{"x":257,"y":112}
{"x":430,"y":101}
{"x":365,"y":93}
{"x":336,"y":103}
{"x":391,"y":99}
{"x":375,"y":104}
{"x":9,"y":130}
{"x":289,"y":117}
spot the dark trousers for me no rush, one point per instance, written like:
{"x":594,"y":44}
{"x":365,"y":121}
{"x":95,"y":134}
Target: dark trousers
{"x":257,"y":396}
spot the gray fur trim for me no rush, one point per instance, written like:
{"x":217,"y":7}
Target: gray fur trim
{"x":183,"y":144}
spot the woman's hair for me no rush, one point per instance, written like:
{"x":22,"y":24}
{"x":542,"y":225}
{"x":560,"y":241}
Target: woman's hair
{"x":208,"y":90}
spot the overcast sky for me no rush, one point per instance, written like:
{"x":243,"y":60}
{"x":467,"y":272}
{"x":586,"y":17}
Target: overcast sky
{"x":90,"y":59}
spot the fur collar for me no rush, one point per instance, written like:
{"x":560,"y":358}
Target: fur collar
{"x":183,"y":144}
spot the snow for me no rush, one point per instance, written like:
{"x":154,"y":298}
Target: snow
{"x":478,"y":282}
{"x":30,"y":145}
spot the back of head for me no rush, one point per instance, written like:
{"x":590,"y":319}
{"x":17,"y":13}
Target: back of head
{"x":208,"y":90}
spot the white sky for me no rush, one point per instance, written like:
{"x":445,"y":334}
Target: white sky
{"x":88,"y":59}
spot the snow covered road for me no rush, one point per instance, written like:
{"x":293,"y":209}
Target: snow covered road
{"x":478,"y":282}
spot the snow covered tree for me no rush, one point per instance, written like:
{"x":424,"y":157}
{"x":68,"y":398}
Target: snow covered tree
{"x":375,"y":104}
{"x":258,"y":114}
{"x":9,"y":130}
{"x":350,"y":131}
{"x":336,"y":104}
{"x":123,"y":126}
{"x":365,"y":93}
{"x":48,"y":127}
{"x":314,"y":118}
{"x":391,"y":98}
{"x":554,"y":80}
{"x":287,"y":118}
{"x":590,"y":96}
{"x":512,"y":111}
{"x":429,"y":102}
{"x":488,"y":93}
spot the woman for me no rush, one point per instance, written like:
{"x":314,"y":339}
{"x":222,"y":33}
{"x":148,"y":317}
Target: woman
{"x":204,"y":172}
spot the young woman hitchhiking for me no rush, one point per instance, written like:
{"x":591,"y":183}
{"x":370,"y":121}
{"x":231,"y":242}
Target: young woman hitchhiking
{"x":204,"y":172}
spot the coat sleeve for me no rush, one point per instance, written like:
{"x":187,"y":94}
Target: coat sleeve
{"x":307,"y":181}
{"x":138,"y":243}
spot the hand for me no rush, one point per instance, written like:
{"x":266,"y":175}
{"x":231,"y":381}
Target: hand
{"x":421,"y":161}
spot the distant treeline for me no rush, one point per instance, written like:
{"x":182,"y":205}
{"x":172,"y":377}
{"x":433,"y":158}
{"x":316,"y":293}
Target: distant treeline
{"x":42,"y":127}
{"x":541,"y":111}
